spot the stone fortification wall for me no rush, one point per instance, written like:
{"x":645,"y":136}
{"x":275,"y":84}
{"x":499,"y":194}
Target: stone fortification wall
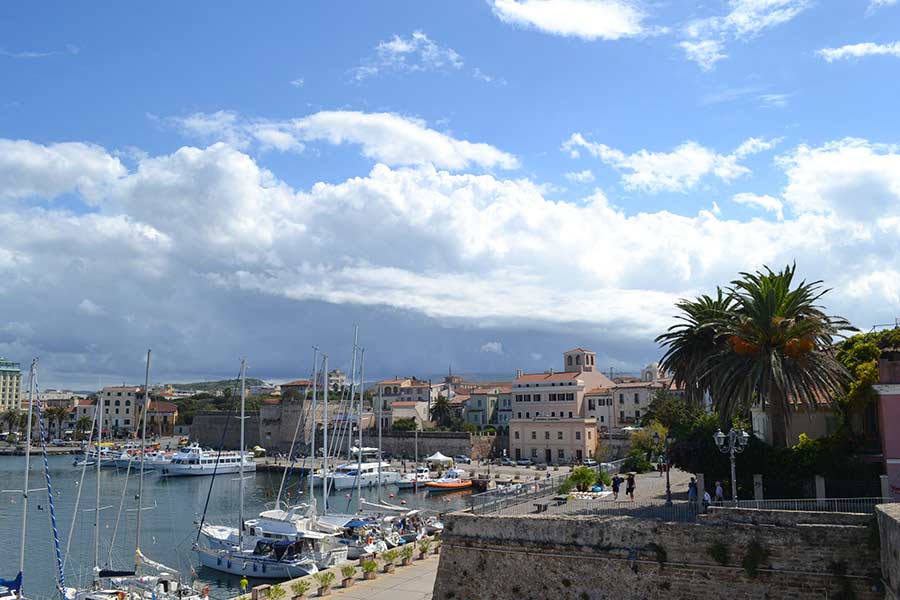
{"x":208,"y":426}
{"x":622,"y":558}
{"x":889,"y":530}
{"x":402,"y":444}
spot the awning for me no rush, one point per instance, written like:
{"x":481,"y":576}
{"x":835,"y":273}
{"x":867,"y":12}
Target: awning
{"x":437,"y":457}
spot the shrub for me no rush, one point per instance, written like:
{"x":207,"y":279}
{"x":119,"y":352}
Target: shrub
{"x":324,"y":579}
{"x":565,"y":487}
{"x":719,"y":553}
{"x":583,"y":478}
{"x":756,"y":556}
{"x":348,"y":571}
{"x":369,"y":566}
{"x":636,"y":461}
{"x":425,"y":546}
{"x":300,"y":587}
{"x":276,"y":592}
{"x":390,"y":556}
{"x":407,"y":551}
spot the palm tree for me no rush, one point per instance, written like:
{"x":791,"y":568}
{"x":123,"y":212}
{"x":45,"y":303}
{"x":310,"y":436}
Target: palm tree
{"x":11,"y":418}
{"x":83,"y":423}
{"x":57,"y":414}
{"x":771,"y":343}
{"x":441,"y":411}
{"x":690,"y":341}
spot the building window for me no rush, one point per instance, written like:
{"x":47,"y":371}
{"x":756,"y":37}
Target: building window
{"x":636,"y":400}
{"x":517,"y":435}
{"x":561,"y":453}
{"x":519,"y":415}
{"x":577,"y":435}
{"x":569,"y":360}
{"x":534,"y":453}
{"x":106,"y":403}
{"x":578,"y":359}
{"x":570,"y":397}
{"x":559,"y":435}
{"x":621,"y":415}
{"x":127,"y":421}
{"x":601,"y":418}
{"x":552,"y":397}
{"x":534,"y":435}
{"x":537,"y":397}
{"x":590,"y":404}
{"x":552,"y":413}
{"x":637,"y":414}
{"x":570,"y":414}
{"x":527,"y":415}
{"x":117,"y":403}
{"x":621,"y":398}
{"x":589,"y":434}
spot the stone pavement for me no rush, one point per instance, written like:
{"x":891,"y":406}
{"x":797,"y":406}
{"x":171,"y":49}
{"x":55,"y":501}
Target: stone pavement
{"x":414,"y":582}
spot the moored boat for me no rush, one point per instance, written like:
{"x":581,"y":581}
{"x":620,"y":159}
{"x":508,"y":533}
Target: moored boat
{"x":452,"y":480}
{"x":194,"y":460}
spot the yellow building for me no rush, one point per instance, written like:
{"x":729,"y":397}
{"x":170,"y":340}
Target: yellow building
{"x":10,"y":385}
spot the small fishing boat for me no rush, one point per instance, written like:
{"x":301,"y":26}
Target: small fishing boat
{"x":419,"y":478}
{"x":452,"y":480}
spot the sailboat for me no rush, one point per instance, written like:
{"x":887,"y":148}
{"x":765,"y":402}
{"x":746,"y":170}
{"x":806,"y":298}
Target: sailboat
{"x":280,"y":544}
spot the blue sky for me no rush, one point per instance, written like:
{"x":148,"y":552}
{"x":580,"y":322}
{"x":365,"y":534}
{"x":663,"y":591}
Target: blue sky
{"x":479,"y":182}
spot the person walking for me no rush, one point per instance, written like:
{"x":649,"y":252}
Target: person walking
{"x":706,"y":501}
{"x":244,"y":583}
{"x":629,"y":486}
{"x":720,"y":493}
{"x":692,"y":492}
{"x":616,"y":483}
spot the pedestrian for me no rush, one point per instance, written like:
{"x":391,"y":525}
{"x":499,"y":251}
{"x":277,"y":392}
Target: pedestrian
{"x":720,"y":493}
{"x":629,"y":486}
{"x":692,"y":491}
{"x":706,"y":501}
{"x":244,"y":584}
{"x":616,"y":482}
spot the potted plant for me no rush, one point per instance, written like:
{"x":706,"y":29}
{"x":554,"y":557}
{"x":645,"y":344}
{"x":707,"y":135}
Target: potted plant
{"x":324,"y":579}
{"x":276,"y":592}
{"x":389,"y":557}
{"x":407,"y":554}
{"x":299,"y":588}
{"x":424,"y":547}
{"x":348,"y":571}
{"x":437,"y":547}
{"x":369,"y":567}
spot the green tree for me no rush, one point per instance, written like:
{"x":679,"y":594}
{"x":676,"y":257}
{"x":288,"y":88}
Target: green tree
{"x":57,"y":415}
{"x":583,"y":478}
{"x":441,"y":412}
{"x":11,"y":419}
{"x":672,"y":411}
{"x":404,"y":424}
{"x":770,"y":342}
{"x":82,"y":424}
{"x":859,"y":355}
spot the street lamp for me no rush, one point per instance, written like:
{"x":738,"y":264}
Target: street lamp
{"x":669,"y":440}
{"x":734,"y":442}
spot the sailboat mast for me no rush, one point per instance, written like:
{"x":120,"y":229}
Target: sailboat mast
{"x":380,"y":410}
{"x":416,"y":466}
{"x":325,"y":439}
{"x":27,"y":468}
{"x":140,"y":496}
{"x":362,"y":391}
{"x":352,"y":389}
{"x":312,"y":463}
{"x":97,"y":507}
{"x":241,"y":457}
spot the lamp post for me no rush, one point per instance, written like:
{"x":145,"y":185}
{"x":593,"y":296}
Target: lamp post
{"x":669,"y":440}
{"x":734,"y":442}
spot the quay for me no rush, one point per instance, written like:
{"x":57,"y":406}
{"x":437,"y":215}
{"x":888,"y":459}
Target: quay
{"x":9,"y":450}
{"x":412,"y":582}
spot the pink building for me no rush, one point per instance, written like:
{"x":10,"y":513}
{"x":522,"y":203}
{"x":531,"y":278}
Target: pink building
{"x":888,"y":389}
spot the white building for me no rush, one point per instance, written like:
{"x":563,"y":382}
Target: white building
{"x":10,"y":385}
{"x":119,"y":404}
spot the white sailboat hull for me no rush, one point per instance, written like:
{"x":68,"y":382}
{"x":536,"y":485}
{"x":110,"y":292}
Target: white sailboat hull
{"x":258,"y":567}
{"x":348,"y":482}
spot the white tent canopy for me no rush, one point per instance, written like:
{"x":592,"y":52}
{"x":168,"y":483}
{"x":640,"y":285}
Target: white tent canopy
{"x":437,"y":457}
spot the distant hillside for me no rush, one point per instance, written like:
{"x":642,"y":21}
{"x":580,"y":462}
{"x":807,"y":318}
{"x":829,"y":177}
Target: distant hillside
{"x":213,"y":386}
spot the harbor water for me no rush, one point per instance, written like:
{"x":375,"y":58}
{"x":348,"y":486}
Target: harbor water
{"x":172,"y":510}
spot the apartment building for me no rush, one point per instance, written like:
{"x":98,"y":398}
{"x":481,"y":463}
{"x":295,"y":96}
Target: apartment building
{"x":548,"y":422}
{"x":488,"y":404}
{"x":599,"y":406}
{"x":10,"y":385}
{"x":632,"y":396}
{"x":120,"y":407}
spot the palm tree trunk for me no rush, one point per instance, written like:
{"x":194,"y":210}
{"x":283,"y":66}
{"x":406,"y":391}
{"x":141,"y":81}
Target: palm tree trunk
{"x":778,"y":418}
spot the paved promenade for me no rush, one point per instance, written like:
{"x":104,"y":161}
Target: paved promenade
{"x":414,"y":582}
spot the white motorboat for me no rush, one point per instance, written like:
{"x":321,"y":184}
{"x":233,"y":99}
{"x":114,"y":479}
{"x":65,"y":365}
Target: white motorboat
{"x":345,"y":476}
{"x":275,"y":560}
{"x":194,"y":460}
{"x":415,"y":480}
{"x":106,"y":455}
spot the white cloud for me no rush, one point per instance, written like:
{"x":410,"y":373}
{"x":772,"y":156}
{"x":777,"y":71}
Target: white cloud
{"x":774,"y":100}
{"x":767,"y":203}
{"x":581,"y":176}
{"x":210,"y":227}
{"x":859,"y":51}
{"x":69,"y":49}
{"x":677,"y":171}
{"x":746,"y":19}
{"x":89,"y":307}
{"x":853,"y":179}
{"x":411,"y":54}
{"x":876,"y":4}
{"x":385,"y":137}
{"x":705,"y":53}
{"x":29,"y":169}
{"x":297,"y":83}
{"x":586,"y":19}
{"x":492,"y":348}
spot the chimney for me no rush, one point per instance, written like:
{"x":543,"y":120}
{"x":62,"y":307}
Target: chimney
{"x":551,"y":370}
{"x":519,"y":373}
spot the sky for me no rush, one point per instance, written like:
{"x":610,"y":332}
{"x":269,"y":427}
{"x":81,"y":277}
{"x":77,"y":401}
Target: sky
{"x":477,"y":184}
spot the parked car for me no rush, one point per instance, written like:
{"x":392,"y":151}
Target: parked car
{"x":589,"y":462}
{"x":462,"y":459}
{"x":524,"y":462}
{"x":506,"y":462}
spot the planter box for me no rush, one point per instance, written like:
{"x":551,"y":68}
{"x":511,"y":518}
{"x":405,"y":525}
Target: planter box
{"x":437,"y":550}
{"x":303,"y":597}
{"x":406,"y":562}
{"x":323,"y":591}
{"x":389,"y":568}
{"x":348,"y":582}
{"x":422,"y":555}
{"x":369,"y":576}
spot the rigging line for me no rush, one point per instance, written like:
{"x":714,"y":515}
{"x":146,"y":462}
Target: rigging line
{"x":216,"y":465}
{"x":61,"y":578}
{"x":285,"y":475}
{"x":81,"y":482}
{"x":112,"y":541}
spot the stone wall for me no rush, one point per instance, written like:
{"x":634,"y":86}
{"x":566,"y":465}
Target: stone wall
{"x":402,"y":444}
{"x":563,"y":557}
{"x":208,"y":426}
{"x":889,"y":530}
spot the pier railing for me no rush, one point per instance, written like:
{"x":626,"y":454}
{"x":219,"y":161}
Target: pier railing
{"x":840,"y":505}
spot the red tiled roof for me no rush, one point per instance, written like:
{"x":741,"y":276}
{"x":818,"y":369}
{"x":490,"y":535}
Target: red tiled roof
{"x":641,"y":384}
{"x":161,"y":406}
{"x":85,"y":402}
{"x":393,"y":381}
{"x":297,"y":383}
{"x":459,"y":399}
{"x":540,"y":377}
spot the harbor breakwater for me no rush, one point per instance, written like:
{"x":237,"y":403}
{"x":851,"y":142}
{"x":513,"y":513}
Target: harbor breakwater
{"x":735,"y":553}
